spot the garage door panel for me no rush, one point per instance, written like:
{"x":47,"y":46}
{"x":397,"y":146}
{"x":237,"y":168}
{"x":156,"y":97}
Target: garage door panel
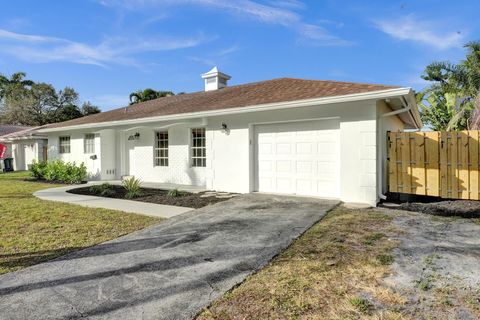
{"x":305,"y":148}
{"x":323,"y":187}
{"x":266,"y":182}
{"x":307,"y":133}
{"x":284,"y":148}
{"x":326,"y":177}
{"x":298,"y":158}
{"x":284,"y":185}
{"x":326,"y":167}
{"x":265,"y":148}
{"x":284,"y":166}
{"x":305,"y":186}
{"x":305,"y":167}
{"x":327,"y":147}
{"x":265,"y":166}
{"x":284,"y":134}
{"x":327,"y":157}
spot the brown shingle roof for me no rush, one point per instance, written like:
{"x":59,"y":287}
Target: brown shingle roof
{"x":9,"y":128}
{"x":270,"y":91}
{"x":27,"y":132}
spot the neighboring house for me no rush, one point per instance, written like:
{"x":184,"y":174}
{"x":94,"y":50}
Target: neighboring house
{"x":6,"y":129}
{"x":291,"y":136}
{"x":25,"y":146}
{"x":10,"y":128}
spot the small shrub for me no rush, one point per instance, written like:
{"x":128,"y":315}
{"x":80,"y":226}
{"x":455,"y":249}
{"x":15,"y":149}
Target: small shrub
{"x":385,"y":259}
{"x":426,"y":283}
{"x":104,"y":189}
{"x":174,"y":193}
{"x":59,"y":170}
{"x":132,"y":186}
{"x":372,"y":238}
{"x":38,"y":169}
{"x":360,"y":304}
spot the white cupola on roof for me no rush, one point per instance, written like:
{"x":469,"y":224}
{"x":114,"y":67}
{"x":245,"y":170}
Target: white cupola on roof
{"x":215,"y":79}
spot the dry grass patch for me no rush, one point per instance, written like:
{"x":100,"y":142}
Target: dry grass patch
{"x":332,"y":272}
{"x":34,"y":231}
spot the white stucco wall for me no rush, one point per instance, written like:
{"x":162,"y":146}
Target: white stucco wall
{"x":230,"y":156}
{"x":140,"y":156}
{"x":233,"y":153}
{"x":77,"y":154}
{"x":24,"y":152}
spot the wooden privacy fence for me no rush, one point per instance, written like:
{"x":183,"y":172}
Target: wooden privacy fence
{"x":441,"y":164}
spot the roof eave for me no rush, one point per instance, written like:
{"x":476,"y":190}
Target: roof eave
{"x":24,"y":137}
{"x":414,"y":112}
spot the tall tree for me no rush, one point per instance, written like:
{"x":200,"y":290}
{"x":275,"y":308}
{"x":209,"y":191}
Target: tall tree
{"x":40,"y":104}
{"x":451,"y":102}
{"x":88,"y":108}
{"x":23,"y":101}
{"x":15,"y":80}
{"x":148,"y":94}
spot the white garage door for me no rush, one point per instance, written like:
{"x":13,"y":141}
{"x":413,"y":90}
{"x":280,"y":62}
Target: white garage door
{"x":298,"y":158}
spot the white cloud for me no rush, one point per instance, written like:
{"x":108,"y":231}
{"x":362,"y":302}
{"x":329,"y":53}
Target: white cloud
{"x":292,"y":4}
{"x":4,"y":34}
{"x":241,"y":7}
{"x":219,"y":57}
{"x":37,"y":48}
{"x":280,"y":12}
{"x":229,"y":50}
{"x":429,"y":33}
{"x":320,"y":36}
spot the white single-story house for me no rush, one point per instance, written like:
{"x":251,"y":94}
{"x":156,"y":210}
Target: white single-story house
{"x":288,"y":136}
{"x":25,"y":146}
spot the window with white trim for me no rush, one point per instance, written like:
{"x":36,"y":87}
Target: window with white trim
{"x":64,"y":144}
{"x":89,"y":143}
{"x":161,"y":149}
{"x":199,"y":148}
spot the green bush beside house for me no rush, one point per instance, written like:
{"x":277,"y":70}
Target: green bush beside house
{"x":59,"y":171}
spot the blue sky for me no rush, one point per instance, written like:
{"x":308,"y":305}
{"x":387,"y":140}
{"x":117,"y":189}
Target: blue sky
{"x":106,"y":49}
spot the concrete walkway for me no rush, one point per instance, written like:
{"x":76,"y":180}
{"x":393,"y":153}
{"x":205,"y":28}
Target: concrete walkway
{"x":168,"y":271}
{"x":150,"y":209}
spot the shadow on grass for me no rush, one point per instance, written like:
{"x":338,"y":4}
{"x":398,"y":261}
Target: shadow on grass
{"x":26,"y":196}
{"x":26,"y":259}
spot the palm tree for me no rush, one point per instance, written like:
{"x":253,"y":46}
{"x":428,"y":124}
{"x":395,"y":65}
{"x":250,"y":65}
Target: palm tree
{"x":460,"y":82}
{"x":148,"y":94}
{"x":16,"y":79}
{"x":475,"y":119}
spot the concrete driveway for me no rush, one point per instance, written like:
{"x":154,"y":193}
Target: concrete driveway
{"x":168,"y":271}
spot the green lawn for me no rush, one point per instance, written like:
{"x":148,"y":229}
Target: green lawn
{"x":33,"y":230}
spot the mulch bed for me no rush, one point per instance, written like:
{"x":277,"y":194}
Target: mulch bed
{"x":158,"y":196}
{"x":459,"y":208}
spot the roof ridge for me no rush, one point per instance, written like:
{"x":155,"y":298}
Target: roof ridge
{"x":340,"y":81}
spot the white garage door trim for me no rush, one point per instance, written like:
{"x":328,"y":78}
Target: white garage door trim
{"x":300,"y":157}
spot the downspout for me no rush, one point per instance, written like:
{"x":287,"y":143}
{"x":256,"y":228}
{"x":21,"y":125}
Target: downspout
{"x":406,"y":108}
